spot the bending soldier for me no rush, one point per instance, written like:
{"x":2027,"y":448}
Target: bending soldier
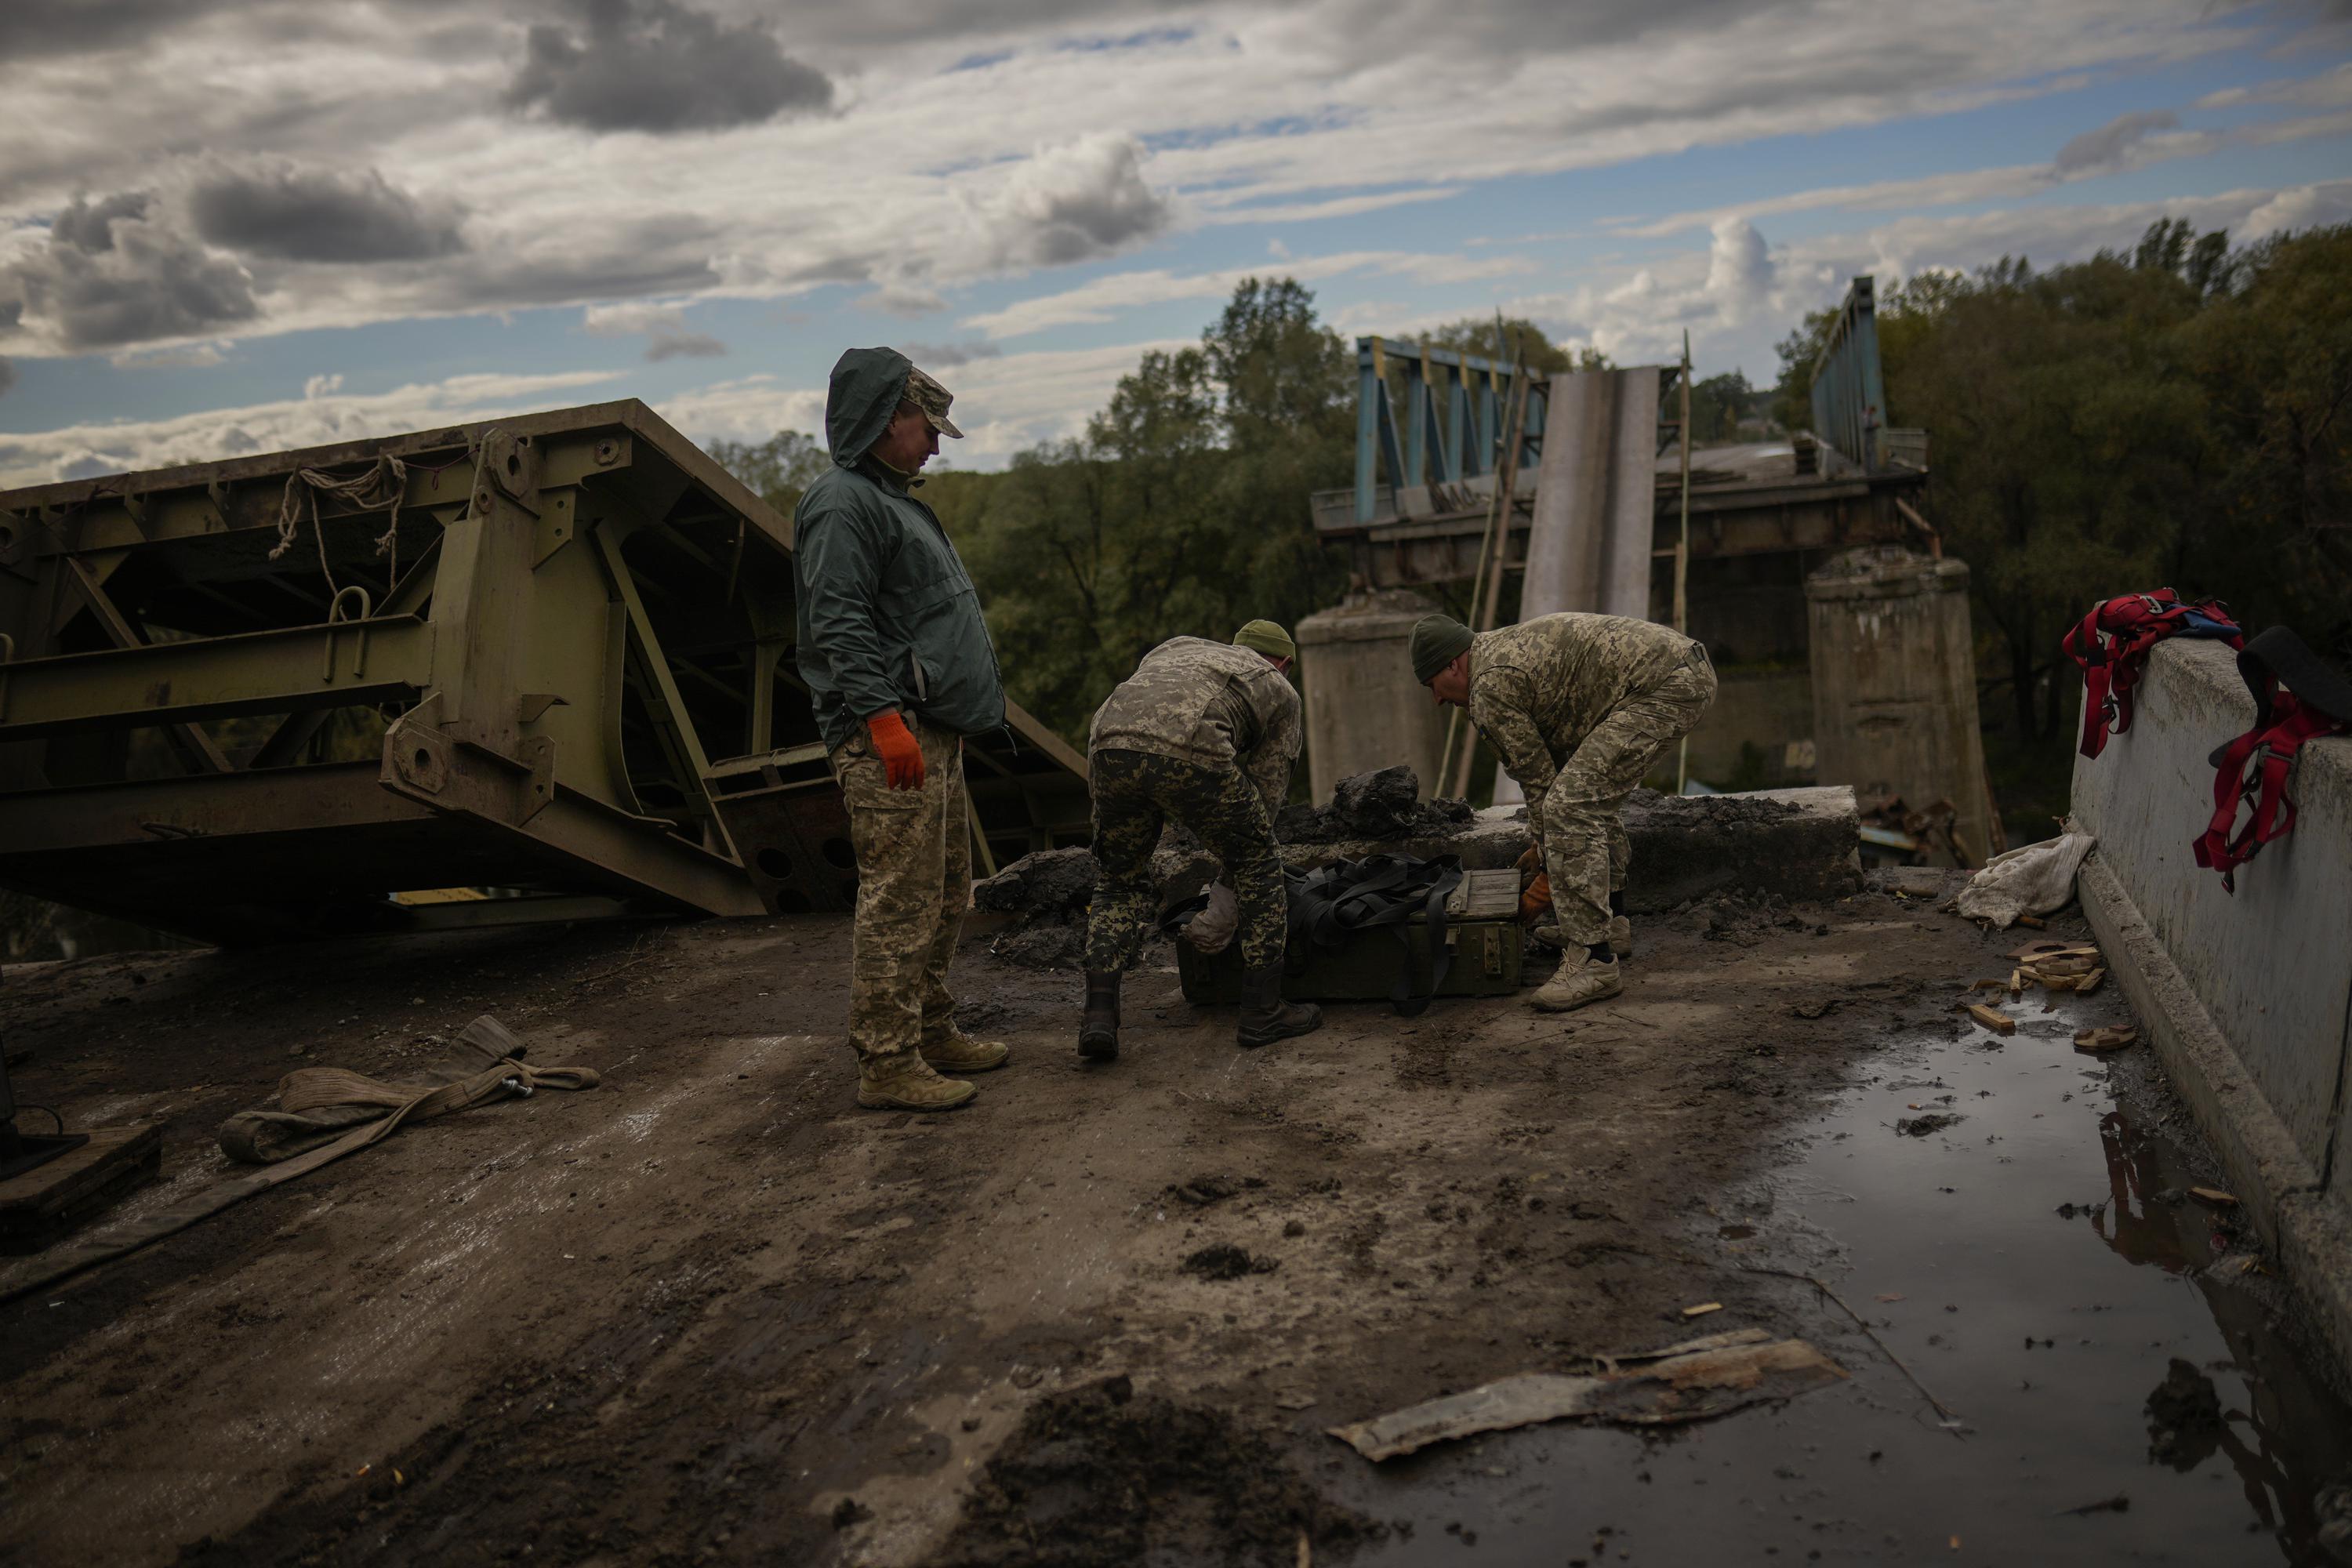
{"x":1577,"y":707}
{"x":1206,"y":733}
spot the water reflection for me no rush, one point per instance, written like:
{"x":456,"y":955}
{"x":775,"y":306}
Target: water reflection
{"x":2290,"y":1442}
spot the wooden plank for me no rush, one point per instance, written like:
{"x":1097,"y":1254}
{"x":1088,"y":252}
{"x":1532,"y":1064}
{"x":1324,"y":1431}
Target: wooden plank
{"x":47,"y":1190}
{"x":1999,"y":1023}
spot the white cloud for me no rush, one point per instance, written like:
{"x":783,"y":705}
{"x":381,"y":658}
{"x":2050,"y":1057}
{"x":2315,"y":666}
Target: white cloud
{"x":1004,"y":404}
{"x":923,"y":179}
{"x":1739,"y":271}
{"x":1105,"y":298}
{"x":1075,"y":202}
{"x":322,"y":416}
{"x":2305,"y":206}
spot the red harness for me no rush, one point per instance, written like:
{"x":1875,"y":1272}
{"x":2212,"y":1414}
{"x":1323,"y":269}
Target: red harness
{"x":2112,"y":643}
{"x":2252,"y":771}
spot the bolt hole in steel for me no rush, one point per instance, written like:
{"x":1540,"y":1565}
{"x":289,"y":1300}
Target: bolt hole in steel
{"x":775,"y":864}
{"x":840,"y":852}
{"x":424,"y":759}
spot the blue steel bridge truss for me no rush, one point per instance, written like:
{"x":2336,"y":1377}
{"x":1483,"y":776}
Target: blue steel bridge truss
{"x":1464,"y":441}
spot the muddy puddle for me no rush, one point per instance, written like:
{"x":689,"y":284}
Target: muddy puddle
{"x":2128,"y":1388}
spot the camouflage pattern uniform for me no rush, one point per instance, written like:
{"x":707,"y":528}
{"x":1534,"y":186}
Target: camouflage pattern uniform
{"x":914,"y":879}
{"x":1206,"y":733}
{"x":1579,"y":707}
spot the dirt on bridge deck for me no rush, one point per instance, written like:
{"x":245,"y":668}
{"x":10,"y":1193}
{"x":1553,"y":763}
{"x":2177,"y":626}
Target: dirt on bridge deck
{"x":713,"y":1312}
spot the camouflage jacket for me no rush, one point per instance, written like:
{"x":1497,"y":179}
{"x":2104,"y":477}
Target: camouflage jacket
{"x":1538,"y":688}
{"x":1210,"y":703}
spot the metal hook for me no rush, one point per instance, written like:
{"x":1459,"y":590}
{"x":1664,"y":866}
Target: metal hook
{"x":335,"y":617}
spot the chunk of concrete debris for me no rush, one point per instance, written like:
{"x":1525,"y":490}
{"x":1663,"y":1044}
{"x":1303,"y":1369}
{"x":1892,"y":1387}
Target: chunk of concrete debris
{"x":1049,"y":878}
{"x":1688,"y":1381}
{"x":1795,"y":845}
{"x":1382,"y":804}
{"x":1048,"y":891}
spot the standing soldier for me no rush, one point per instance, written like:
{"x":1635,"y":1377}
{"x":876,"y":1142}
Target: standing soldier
{"x":1577,"y":707}
{"x":1204,"y":733}
{"x":899,"y":667}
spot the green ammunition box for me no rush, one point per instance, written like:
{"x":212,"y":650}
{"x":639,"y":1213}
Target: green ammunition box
{"x":1487,"y":963}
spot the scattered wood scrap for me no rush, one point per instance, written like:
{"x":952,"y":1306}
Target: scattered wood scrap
{"x":1689,"y":1381}
{"x":1998,"y":1022}
{"x":2112,"y":1039}
{"x":2214,"y":1196}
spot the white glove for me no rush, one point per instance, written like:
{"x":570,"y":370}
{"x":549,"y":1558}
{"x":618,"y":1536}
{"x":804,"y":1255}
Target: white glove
{"x":1211,"y":931}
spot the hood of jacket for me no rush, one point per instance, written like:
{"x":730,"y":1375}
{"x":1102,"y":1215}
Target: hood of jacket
{"x":860,"y":400}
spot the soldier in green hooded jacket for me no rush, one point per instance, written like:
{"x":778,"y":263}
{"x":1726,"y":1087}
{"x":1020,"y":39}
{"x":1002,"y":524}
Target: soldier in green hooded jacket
{"x":899,"y":670}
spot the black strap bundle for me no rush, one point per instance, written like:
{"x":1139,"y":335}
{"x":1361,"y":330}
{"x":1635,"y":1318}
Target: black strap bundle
{"x":1332,"y":901}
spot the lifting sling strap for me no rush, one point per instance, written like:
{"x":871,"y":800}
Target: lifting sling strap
{"x":1402,"y":892}
{"x":2252,"y":771}
{"x":2111,"y":644}
{"x":1393,"y":890}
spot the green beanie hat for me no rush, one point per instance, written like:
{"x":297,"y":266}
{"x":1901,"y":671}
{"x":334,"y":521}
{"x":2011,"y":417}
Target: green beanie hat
{"x":1437,"y":641}
{"x":1266,"y":638}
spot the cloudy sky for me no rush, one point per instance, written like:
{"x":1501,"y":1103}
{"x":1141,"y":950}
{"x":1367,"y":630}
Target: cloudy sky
{"x":234,"y":225}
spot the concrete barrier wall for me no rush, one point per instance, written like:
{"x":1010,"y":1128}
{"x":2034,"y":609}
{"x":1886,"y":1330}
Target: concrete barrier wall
{"x":2272,"y":965}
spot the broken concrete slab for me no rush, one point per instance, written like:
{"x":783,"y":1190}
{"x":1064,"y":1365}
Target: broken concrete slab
{"x":1795,"y":844}
{"x":1688,"y":1381}
{"x":1049,"y":878}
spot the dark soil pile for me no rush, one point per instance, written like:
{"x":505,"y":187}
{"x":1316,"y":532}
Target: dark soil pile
{"x":1105,"y":1478}
{"x":1384,"y":804}
{"x":1049,"y":891}
{"x":1060,"y":879}
{"x":1226,"y":1262}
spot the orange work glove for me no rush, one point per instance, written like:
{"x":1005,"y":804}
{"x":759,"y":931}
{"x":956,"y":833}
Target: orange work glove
{"x":1532,"y":860}
{"x":901,"y":753}
{"x":1535,"y":900}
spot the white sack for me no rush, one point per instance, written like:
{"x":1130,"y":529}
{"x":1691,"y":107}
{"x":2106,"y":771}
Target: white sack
{"x":2033,"y":880}
{"x":1211,"y":931}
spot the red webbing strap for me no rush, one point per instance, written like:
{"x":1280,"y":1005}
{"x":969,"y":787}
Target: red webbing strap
{"x":2110,"y":644}
{"x":2272,"y":748}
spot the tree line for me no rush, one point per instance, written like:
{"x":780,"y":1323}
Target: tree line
{"x":2171,"y":415}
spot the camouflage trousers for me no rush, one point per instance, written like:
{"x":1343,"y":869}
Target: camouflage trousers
{"x":1136,"y":793}
{"x":914,"y":880}
{"x":1585,"y":848}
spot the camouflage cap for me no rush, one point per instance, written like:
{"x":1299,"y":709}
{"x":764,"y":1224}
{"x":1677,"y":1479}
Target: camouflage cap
{"x":1266,"y":638}
{"x":928,"y":394}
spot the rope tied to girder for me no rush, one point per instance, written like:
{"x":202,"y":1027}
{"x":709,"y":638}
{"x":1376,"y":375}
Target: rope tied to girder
{"x":381,"y":485}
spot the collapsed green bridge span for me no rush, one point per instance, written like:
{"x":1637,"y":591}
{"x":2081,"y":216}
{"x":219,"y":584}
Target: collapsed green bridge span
{"x":534,"y":668}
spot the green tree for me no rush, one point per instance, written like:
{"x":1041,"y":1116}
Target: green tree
{"x":776,"y":469}
{"x":2272,"y":357}
{"x":1510,"y":338}
{"x":2064,"y":443}
{"x":1182,"y":509}
{"x":1718,"y":402}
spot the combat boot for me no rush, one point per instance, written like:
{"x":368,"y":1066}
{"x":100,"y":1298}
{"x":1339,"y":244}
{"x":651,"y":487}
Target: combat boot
{"x":1621,"y":936}
{"x":956,"y":1051}
{"x":1265,"y":1016}
{"x":1580,"y":979}
{"x":909,"y":1085}
{"x":1099,"y":1025}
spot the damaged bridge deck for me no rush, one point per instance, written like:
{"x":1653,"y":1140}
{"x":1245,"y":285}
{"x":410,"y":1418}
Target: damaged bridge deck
{"x":709,"y":1312}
